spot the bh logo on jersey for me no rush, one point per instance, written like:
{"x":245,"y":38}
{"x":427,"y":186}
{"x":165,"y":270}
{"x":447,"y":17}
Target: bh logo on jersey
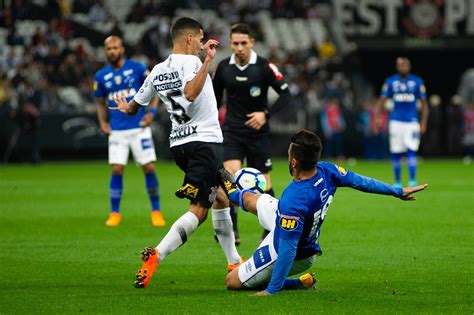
{"x":289,"y":223}
{"x":122,"y":93}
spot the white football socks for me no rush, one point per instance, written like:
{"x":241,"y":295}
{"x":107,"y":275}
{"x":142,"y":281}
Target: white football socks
{"x":222,"y":223}
{"x":178,"y":234}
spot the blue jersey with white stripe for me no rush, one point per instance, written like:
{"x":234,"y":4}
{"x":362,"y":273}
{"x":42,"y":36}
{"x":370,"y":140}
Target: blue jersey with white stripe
{"x":125,"y":81}
{"x":302,"y":209}
{"x":404,"y":93}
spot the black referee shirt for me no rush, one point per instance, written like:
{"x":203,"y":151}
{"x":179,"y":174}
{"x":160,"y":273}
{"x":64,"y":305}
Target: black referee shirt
{"x":247,"y":88}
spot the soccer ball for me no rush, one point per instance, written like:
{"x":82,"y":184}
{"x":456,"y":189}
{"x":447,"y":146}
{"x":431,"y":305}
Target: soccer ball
{"x":251,"y":178}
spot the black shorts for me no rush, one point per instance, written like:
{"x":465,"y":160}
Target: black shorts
{"x":199,"y":161}
{"x":255,"y":147}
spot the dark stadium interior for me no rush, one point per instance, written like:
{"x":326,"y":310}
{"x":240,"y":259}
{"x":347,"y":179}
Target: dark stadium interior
{"x":60,"y":49}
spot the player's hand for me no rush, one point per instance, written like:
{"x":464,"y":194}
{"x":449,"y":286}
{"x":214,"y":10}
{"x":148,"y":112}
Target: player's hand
{"x":256,"y":120}
{"x":122,"y":104}
{"x":146,"y":120}
{"x":210,"y":48}
{"x":263,"y":293}
{"x":105,"y":127}
{"x":409,"y":191}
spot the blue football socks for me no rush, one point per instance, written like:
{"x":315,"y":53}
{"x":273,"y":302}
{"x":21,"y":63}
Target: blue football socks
{"x":292,"y":284}
{"x":397,"y":166}
{"x":237,"y":197}
{"x":116,"y":188}
{"x":152,"y":189}
{"x":412,"y":163}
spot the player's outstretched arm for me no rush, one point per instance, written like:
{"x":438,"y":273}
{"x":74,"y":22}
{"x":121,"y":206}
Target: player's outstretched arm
{"x":130,"y":108}
{"x":409,"y":191}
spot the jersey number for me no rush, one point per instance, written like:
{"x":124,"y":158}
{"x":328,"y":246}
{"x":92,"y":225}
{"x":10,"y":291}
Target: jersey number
{"x":179,"y":113}
{"x":319,"y":215}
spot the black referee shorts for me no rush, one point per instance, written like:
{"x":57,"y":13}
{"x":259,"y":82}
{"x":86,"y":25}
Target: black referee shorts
{"x":199,"y":161}
{"x":254,"y":147}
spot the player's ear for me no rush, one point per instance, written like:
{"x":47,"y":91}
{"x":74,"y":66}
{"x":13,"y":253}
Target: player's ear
{"x":189,"y":38}
{"x":252,"y":42}
{"x":294,"y":163}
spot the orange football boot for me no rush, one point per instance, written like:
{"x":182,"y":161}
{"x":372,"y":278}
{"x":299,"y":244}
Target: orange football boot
{"x":114,"y":219}
{"x":234,"y":266}
{"x":308,"y":280}
{"x":149,"y":259}
{"x":157,"y":218}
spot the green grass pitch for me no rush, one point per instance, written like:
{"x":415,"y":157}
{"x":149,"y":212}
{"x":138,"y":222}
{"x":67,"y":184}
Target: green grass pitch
{"x":381,"y":255}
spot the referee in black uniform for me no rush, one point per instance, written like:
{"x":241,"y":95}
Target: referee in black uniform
{"x":246,"y":77}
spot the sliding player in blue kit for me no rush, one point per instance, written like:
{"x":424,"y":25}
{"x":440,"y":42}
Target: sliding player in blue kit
{"x":295,"y":220}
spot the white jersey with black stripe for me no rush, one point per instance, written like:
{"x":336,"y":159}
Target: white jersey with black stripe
{"x":191,"y":121}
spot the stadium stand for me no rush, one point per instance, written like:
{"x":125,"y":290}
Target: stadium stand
{"x":57,"y":47}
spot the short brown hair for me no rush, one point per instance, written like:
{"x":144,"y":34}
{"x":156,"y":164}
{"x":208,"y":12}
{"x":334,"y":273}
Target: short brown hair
{"x":183,"y":24}
{"x":240,"y":28}
{"x":306,"y":149}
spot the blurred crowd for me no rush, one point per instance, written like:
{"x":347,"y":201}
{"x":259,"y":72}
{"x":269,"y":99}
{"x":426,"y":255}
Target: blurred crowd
{"x":52,"y":73}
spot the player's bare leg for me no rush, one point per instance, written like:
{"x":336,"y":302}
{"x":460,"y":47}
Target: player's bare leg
{"x":232,"y":280}
{"x":233,"y":166}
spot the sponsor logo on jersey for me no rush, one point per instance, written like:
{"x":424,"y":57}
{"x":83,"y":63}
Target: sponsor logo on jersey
{"x":182,"y":132}
{"x":255,"y":91}
{"x":341,"y":170}
{"x":108,"y":84}
{"x":108,"y":76}
{"x":166,"y":76}
{"x":128,"y":72}
{"x":189,"y":190}
{"x":318,"y":182}
{"x":168,"y":86}
{"x":262,"y":256}
{"x":276,"y":72}
{"x":324,"y":194}
{"x":118,"y":79}
{"x":122,"y":93}
{"x":241,"y":79}
{"x":404,"y":97}
{"x":289,"y":223}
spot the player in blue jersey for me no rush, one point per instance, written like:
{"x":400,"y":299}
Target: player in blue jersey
{"x":295,"y":220}
{"x":404,"y":130}
{"x":124,"y":78}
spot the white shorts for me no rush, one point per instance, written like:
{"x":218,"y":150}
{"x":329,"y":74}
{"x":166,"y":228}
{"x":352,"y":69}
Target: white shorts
{"x":403,"y":136}
{"x":138,"y":140}
{"x":257,"y":271}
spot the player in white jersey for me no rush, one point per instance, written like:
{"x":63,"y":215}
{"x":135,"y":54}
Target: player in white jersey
{"x":184,"y":85}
